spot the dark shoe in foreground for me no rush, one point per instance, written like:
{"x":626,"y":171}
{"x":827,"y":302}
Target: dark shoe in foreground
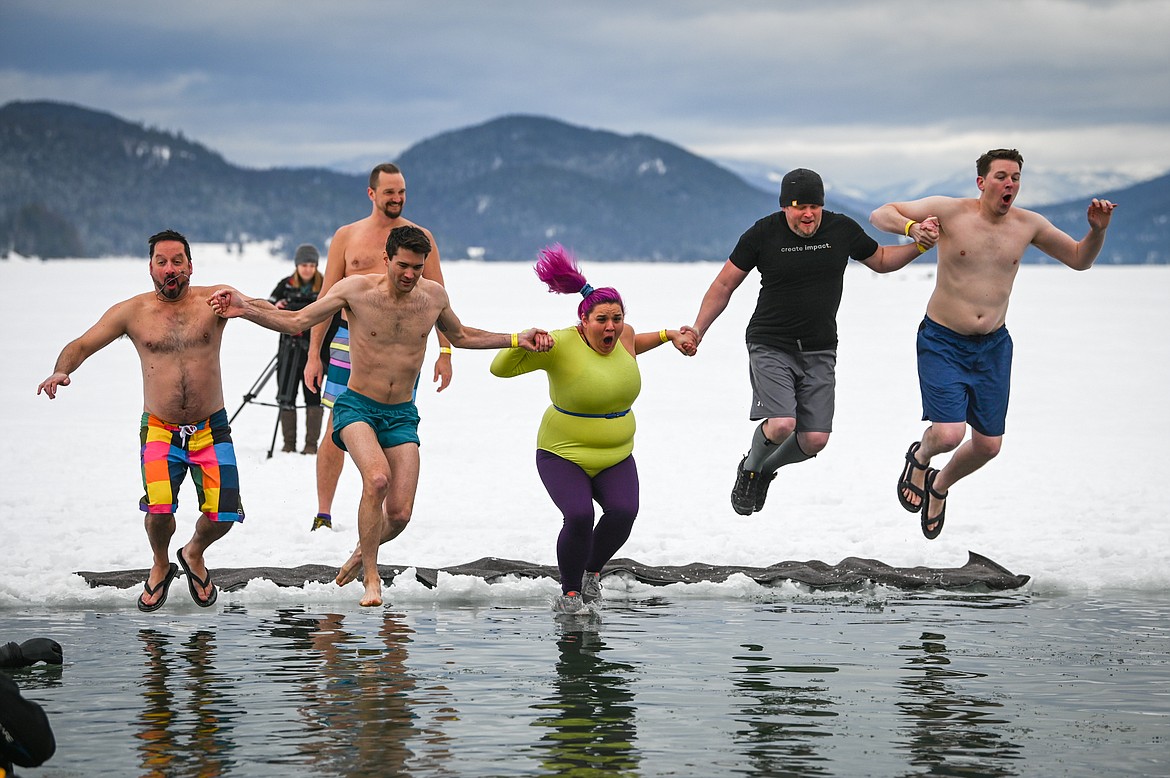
{"x":194,"y":581}
{"x":164,"y":584}
{"x":905,"y":484}
{"x":322,"y":520}
{"x":570,"y":603}
{"x":932,"y":527}
{"x":745,"y":493}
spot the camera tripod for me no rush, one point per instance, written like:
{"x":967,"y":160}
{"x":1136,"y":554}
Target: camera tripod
{"x":286,"y":393}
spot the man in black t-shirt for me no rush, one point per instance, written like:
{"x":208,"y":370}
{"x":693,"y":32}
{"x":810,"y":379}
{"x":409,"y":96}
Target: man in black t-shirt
{"x":801,"y":252}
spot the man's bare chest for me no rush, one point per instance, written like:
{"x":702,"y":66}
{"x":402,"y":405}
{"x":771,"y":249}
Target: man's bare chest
{"x":175,"y":332}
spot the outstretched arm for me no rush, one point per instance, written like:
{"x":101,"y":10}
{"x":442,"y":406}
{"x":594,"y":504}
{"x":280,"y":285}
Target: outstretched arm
{"x":912,"y":218}
{"x":110,"y":326}
{"x":646,"y":341}
{"x":469,"y":337}
{"x":1079,"y":255}
{"x":714,"y":303}
{"x":229,"y":304}
{"x":887,"y":259}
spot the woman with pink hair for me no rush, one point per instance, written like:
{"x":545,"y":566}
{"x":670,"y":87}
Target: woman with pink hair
{"x":586,"y":437}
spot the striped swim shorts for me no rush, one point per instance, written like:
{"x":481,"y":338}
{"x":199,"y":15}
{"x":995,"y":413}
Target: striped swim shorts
{"x":337,"y":373}
{"x":170,"y":450}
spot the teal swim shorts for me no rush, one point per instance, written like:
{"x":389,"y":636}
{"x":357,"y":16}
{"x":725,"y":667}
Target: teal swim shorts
{"x":393,"y":424}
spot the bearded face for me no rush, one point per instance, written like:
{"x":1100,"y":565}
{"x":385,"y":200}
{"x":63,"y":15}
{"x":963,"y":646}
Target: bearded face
{"x":170,"y":269}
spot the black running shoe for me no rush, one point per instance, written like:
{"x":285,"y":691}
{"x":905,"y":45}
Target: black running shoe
{"x":322,"y":520}
{"x":743,"y":494}
{"x":762,"y":483}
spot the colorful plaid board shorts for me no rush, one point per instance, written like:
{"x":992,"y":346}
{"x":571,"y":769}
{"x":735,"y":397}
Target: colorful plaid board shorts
{"x":170,"y":450}
{"x":337,"y":372}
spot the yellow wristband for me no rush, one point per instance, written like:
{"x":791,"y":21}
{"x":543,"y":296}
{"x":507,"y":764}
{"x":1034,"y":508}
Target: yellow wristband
{"x":444,"y":350}
{"x":515,"y":339}
{"x":909,"y":224}
{"x":663,"y":336}
{"x":921,"y":249}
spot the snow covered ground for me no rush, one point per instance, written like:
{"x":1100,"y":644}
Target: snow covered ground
{"x":1075,"y":500}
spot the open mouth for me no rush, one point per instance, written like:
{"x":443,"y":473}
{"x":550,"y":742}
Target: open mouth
{"x":607,"y":341}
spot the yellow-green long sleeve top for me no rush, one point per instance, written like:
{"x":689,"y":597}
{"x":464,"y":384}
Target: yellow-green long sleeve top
{"x":582,"y":381}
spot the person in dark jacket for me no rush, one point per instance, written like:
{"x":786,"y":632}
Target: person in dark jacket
{"x":294,"y":293}
{"x":26,"y":738}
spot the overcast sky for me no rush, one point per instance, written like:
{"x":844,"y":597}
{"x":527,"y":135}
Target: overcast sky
{"x":868,"y":93}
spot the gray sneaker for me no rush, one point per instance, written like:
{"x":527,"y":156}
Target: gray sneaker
{"x":570,"y":603}
{"x":591,"y":587}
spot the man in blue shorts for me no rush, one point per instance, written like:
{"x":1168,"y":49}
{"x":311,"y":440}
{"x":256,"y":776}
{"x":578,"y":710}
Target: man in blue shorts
{"x":375,"y":420}
{"x":964,"y":349}
{"x":801,"y":252}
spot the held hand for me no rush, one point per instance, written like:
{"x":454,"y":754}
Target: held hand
{"x":1100,"y":212}
{"x":226,"y":303}
{"x":50,"y":384}
{"x":535,"y":340}
{"x":925,"y":233}
{"x":684,"y":342}
{"x":694,"y":339}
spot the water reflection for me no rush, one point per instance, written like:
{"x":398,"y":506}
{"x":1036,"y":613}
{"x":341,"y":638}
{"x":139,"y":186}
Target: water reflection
{"x":589,"y":718}
{"x":186,"y":723}
{"x":782,"y":722}
{"x":360,"y":705}
{"x":952,"y":730}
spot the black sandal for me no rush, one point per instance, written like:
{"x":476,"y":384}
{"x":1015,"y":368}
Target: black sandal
{"x":932,"y":495}
{"x":905,"y":484}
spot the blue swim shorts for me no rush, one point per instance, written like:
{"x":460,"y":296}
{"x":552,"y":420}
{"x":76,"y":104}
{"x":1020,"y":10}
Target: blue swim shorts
{"x":965,"y":378}
{"x":393,"y":424}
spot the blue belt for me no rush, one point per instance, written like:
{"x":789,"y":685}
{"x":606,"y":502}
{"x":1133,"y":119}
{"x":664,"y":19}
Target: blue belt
{"x":614,"y":415}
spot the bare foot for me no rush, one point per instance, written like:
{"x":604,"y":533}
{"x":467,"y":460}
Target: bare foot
{"x":350,"y":570}
{"x":373,"y":595}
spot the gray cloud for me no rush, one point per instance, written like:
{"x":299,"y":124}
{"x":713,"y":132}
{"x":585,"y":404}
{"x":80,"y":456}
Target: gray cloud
{"x":867,"y":92}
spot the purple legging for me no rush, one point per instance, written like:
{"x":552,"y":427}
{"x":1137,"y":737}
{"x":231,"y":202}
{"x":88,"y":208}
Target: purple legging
{"x":581,"y":546}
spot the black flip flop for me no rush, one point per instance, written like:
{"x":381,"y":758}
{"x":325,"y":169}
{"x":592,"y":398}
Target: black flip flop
{"x":164,"y":584}
{"x":194,"y":580}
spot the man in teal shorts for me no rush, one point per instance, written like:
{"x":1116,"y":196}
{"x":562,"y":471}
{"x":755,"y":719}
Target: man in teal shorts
{"x":358,"y":248}
{"x":390,"y":315}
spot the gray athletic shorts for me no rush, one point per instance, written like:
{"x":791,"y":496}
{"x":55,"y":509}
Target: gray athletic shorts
{"x":794,"y":386}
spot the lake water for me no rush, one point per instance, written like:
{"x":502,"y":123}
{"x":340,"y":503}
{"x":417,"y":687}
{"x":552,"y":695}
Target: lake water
{"x":858,"y":685}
